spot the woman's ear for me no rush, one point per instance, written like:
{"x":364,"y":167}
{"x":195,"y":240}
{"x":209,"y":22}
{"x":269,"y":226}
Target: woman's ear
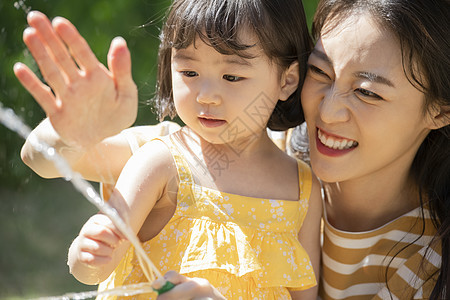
{"x":289,"y":81}
{"x":439,"y":116}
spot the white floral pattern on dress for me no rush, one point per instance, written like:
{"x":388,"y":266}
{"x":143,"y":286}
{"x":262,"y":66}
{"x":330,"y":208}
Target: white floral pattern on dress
{"x":247,"y":247}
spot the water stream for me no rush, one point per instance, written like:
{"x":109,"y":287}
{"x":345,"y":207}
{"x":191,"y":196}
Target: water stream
{"x":126,"y":290}
{"x":9,"y":119}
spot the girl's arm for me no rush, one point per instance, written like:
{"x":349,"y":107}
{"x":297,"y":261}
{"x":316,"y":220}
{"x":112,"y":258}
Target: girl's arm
{"x":85,"y":102}
{"x":309,"y":237}
{"x":145,"y":182}
{"x":102,"y":162}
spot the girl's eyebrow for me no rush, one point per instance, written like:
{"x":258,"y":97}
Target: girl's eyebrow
{"x":181,"y":55}
{"x":230,"y":59}
{"x":236,"y":60}
{"x":321,"y":55}
{"x":372,"y":77}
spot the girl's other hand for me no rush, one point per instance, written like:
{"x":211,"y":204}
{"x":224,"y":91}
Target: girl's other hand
{"x":97,"y":241}
{"x":187,"y":288}
{"x":85,"y":101}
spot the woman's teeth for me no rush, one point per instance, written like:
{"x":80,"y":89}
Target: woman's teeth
{"x":331,"y":142}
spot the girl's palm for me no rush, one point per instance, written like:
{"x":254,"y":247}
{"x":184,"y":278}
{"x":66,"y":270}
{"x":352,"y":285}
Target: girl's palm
{"x":85,"y":101}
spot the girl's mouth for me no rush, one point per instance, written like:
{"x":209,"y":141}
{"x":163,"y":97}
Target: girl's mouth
{"x":211,"y":122}
{"x":333,"y":145}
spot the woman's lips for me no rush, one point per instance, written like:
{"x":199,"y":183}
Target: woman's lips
{"x":332,"y":145}
{"x":211,"y":122}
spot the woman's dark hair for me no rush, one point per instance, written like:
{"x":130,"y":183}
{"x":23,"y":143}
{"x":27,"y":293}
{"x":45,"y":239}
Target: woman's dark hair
{"x":279,"y":25}
{"x":422,"y":28}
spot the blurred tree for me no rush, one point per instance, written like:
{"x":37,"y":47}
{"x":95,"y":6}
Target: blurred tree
{"x":39,"y":218}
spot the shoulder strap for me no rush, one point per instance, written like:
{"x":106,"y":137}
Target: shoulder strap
{"x":305,"y":179}
{"x":184,"y":172}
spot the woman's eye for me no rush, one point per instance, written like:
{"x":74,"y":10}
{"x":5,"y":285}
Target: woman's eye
{"x":318,"y":71}
{"x":189,"y":73}
{"x":232,"y":78}
{"x":368,"y":94}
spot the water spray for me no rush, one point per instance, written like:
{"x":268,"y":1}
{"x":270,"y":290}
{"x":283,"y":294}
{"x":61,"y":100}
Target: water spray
{"x":14,"y":123}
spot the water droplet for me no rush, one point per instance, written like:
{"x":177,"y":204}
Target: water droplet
{"x":21,"y":5}
{"x":51,"y":152}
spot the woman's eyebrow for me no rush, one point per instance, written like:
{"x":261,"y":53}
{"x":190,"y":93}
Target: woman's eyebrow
{"x":372,"y":77}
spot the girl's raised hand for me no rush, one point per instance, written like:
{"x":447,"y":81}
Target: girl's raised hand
{"x":85,"y":101}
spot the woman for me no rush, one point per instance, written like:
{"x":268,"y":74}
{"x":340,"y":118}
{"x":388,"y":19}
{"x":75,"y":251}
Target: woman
{"x":377,"y":115}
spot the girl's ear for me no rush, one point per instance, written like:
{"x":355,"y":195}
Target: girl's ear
{"x":289,"y":81}
{"x":439,"y":116}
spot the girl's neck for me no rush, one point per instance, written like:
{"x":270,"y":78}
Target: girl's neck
{"x":366,"y":204}
{"x":250,"y":148}
{"x":259,"y":170}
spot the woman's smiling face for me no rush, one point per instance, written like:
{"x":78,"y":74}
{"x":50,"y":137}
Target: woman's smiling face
{"x":364,"y":117}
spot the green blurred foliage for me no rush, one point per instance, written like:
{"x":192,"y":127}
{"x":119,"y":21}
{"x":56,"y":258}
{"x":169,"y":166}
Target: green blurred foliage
{"x":99,"y":22}
{"x":38,"y":217}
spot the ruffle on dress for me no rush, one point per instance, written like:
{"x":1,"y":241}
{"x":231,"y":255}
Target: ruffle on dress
{"x":270,"y":258}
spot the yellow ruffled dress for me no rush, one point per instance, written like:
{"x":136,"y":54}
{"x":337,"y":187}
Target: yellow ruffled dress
{"x":246,"y":247}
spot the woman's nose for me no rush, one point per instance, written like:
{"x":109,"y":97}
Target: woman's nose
{"x":332,"y":108}
{"x":209,"y":93}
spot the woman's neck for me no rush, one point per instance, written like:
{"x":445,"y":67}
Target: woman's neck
{"x":366,"y":204}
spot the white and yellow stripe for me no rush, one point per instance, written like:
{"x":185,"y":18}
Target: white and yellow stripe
{"x":354,"y":264}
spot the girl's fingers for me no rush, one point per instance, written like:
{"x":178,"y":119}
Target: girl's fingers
{"x":56,"y":48}
{"x":105,"y":235}
{"x":49,"y":69}
{"x":77,"y":45}
{"x":96,"y":247}
{"x":186,"y":288}
{"x":92,"y":259}
{"x":119,"y":63}
{"x":175,"y":277}
{"x":41,"y":92}
{"x":99,"y":227}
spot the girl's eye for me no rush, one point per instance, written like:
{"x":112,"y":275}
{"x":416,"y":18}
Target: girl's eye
{"x":232,"y":78}
{"x":368,"y":94}
{"x":318,"y":71}
{"x":189,"y":73}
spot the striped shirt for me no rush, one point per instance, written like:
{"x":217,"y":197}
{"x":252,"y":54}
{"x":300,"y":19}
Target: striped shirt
{"x":355,"y":265}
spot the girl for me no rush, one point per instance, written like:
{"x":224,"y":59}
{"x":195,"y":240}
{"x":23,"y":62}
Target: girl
{"x":217,"y":198}
{"x":377,"y":112}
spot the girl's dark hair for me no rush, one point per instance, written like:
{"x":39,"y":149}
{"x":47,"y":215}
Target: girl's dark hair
{"x":422,"y":28}
{"x":279,"y":25}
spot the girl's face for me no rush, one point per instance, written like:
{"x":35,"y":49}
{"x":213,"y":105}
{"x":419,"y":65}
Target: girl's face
{"x":225,"y":98}
{"x":364,"y":117}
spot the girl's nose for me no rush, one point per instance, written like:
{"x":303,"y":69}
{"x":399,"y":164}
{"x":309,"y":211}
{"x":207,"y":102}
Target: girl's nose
{"x":209,"y":94}
{"x":333,"y":107}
